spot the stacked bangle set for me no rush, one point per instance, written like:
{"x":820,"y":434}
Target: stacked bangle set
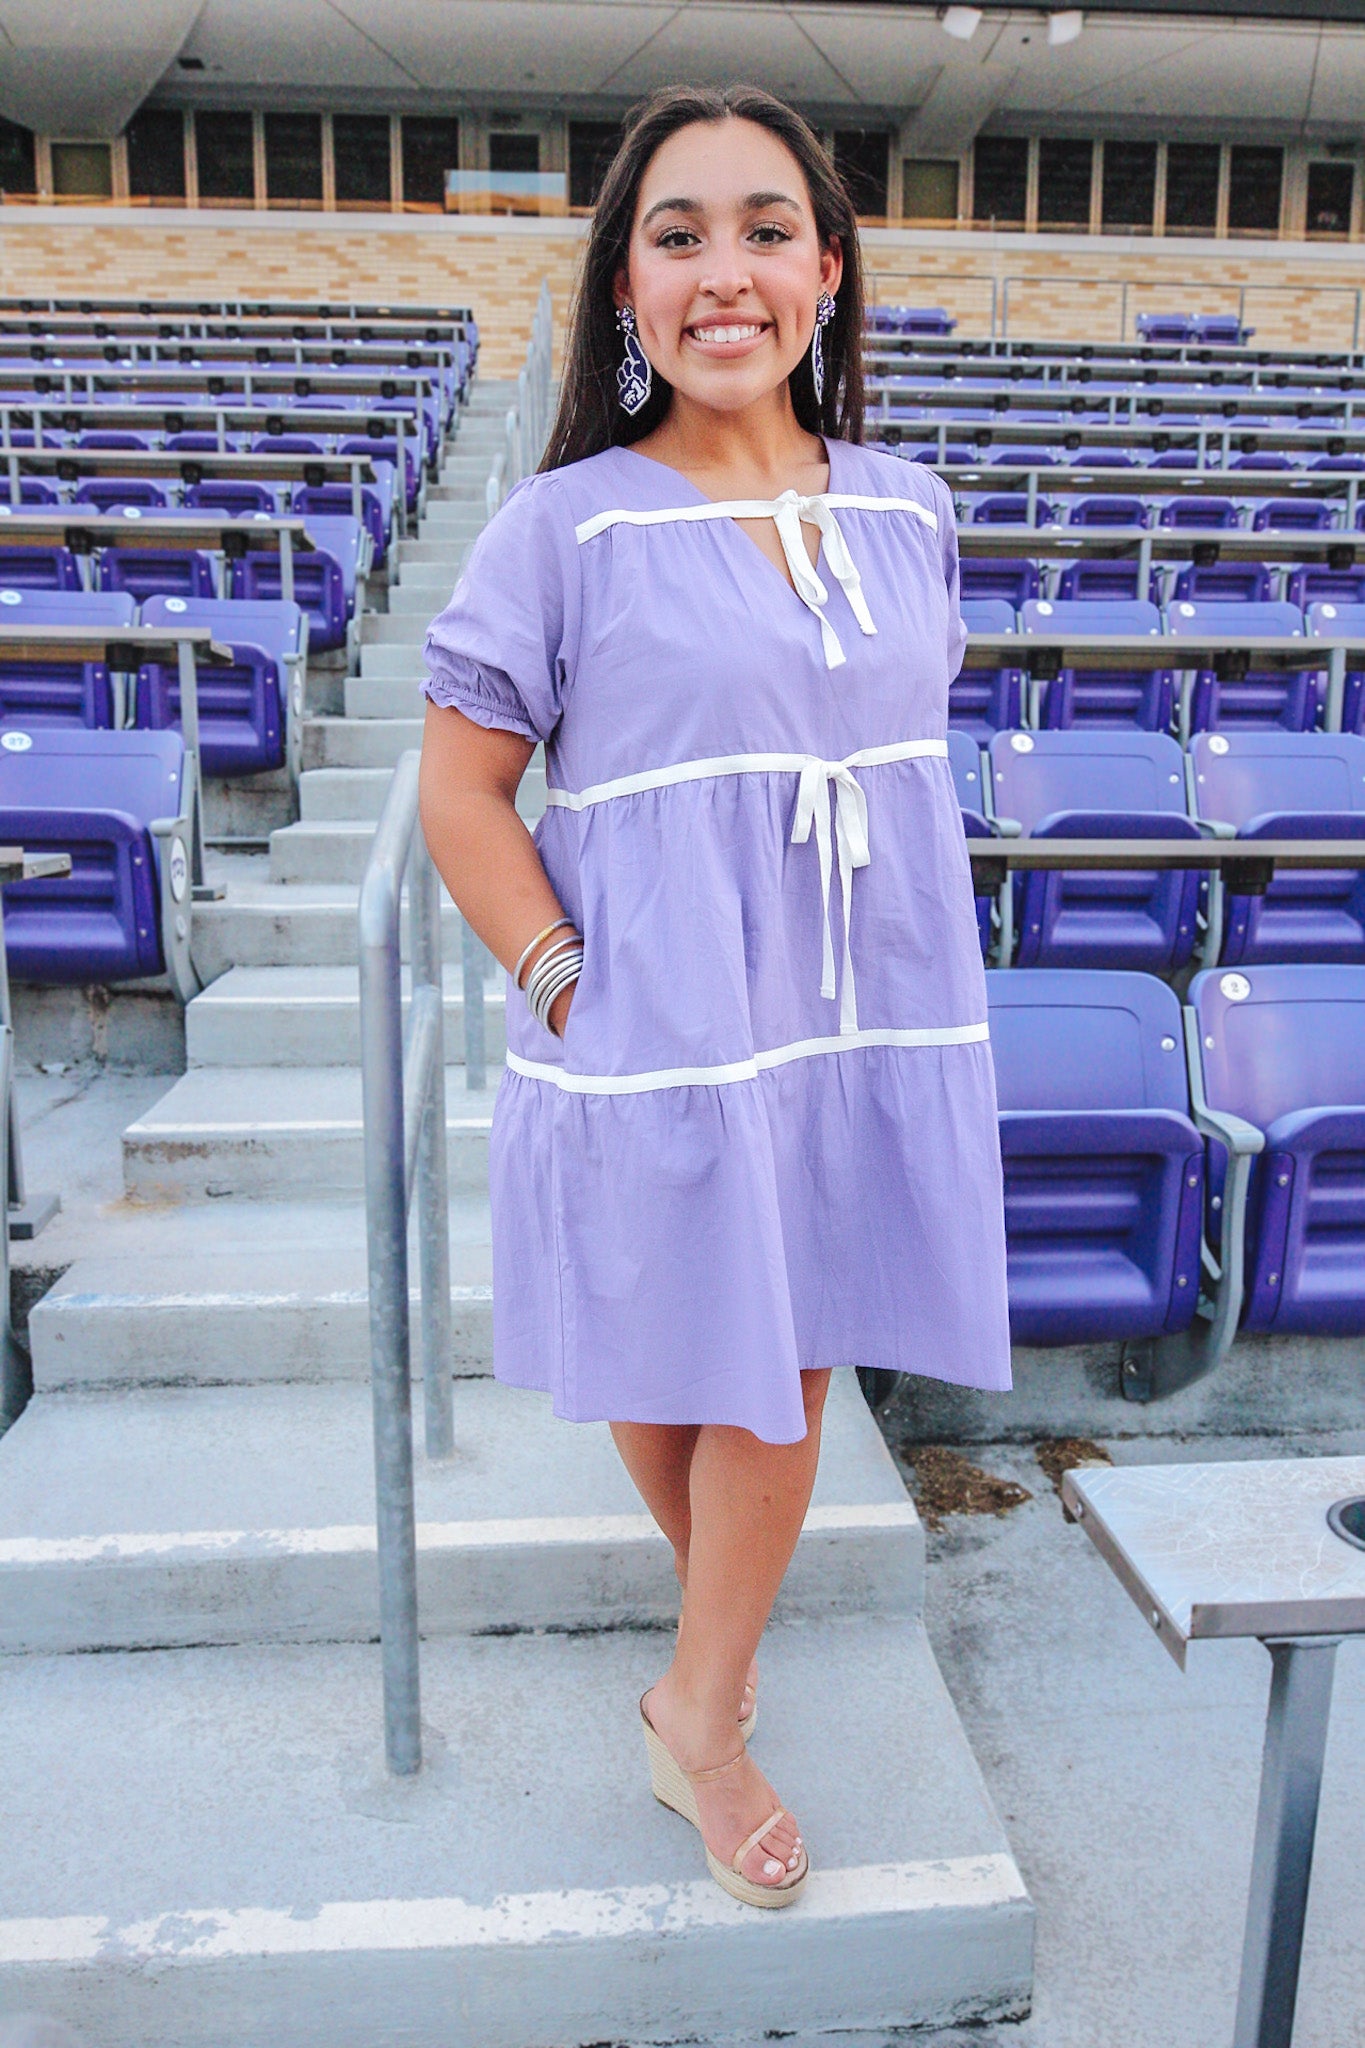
{"x":557,"y":966}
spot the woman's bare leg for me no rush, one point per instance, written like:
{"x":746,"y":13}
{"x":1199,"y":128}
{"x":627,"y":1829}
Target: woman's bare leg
{"x":748,"y":1501}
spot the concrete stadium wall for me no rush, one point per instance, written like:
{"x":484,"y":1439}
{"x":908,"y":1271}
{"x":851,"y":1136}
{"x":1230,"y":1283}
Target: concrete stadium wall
{"x":1297,"y":294}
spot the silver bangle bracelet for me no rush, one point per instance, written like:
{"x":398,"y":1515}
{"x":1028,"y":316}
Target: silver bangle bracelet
{"x":530,"y":947}
{"x":543,"y":987}
{"x":546,"y":960}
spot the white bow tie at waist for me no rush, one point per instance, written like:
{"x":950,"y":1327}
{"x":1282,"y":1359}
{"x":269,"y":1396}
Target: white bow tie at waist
{"x":788,"y":514}
{"x":848,"y":802}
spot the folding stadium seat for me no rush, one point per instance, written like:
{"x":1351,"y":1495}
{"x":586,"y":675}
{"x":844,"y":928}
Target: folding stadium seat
{"x":1284,"y":1049}
{"x":1167,"y":327}
{"x":1010,"y":508}
{"x":1315,"y":583}
{"x":118,"y":803}
{"x":33,"y":490}
{"x":982,"y":700}
{"x":1347,"y":462}
{"x":1027,"y":457}
{"x":1176,"y":458}
{"x":64,"y":693}
{"x":288,"y":444}
{"x":248,"y":710}
{"x":1224,"y":583}
{"x":38,"y":568}
{"x":385,"y":449}
{"x":984,"y":576}
{"x":1103,"y":582}
{"x":131,"y":494}
{"x":235,"y":495}
{"x":1108,"y":511}
{"x":335,"y":501}
{"x":955,"y":455}
{"x":1098,"y":785}
{"x":1104,"y":1169}
{"x":157,"y":572}
{"x":1295,"y":515}
{"x":1125,"y":697}
{"x":1262,"y":698}
{"x":198,"y":440}
{"x":1103,"y":458}
{"x":1332,"y":618}
{"x":1286,"y":785}
{"x":1200,"y":512}
{"x":1266,"y":459}
{"x":1221,"y":330}
{"x":113,"y":437}
{"x":325,"y":579}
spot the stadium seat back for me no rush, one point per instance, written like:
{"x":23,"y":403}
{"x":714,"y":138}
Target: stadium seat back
{"x":243,"y":708}
{"x":1015,"y":581}
{"x":239,"y":497}
{"x":122,"y":494}
{"x":1223,"y":583}
{"x":1081,"y":696}
{"x":980,"y":701}
{"x":36,"y":568}
{"x":65,"y":693}
{"x":1202,"y":512}
{"x":1114,"y":510}
{"x":1295,"y":515}
{"x":1263,"y":698}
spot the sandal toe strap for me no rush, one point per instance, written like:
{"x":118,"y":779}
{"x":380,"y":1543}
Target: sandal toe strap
{"x":752,"y":1841}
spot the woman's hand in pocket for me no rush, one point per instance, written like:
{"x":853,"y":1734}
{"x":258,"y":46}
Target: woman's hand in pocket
{"x":560,"y":1007}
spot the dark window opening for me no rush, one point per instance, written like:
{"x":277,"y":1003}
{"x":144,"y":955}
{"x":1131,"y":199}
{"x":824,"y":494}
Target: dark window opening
{"x":1000,"y":180}
{"x":592,"y":145}
{"x":1331,"y":194}
{"x":17,"y":170}
{"x":362,"y":159}
{"x":860,"y":157}
{"x":1192,"y":187}
{"x":227,"y":167}
{"x":508,"y":151}
{"x":156,"y":154}
{"x":1065,"y":170}
{"x":431,"y":147}
{"x":293,"y":159}
{"x":1129,"y":195}
{"x":929,"y":188}
{"x":1254,"y":189}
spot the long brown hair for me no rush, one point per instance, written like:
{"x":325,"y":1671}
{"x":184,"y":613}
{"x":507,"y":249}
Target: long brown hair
{"x":589,"y":418}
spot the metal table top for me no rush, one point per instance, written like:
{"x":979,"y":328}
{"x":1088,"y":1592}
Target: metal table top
{"x":1234,"y":1549}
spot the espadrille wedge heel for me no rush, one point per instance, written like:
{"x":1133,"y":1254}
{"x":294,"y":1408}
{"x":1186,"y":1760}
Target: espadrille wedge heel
{"x":673,"y":1787}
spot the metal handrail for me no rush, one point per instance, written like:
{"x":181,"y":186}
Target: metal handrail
{"x":403,"y":1090}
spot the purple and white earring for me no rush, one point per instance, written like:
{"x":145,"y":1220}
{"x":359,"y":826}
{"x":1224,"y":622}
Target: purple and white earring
{"x":634,"y":377}
{"x":824,"y":313}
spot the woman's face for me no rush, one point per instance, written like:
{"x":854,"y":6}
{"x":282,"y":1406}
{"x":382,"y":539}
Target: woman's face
{"x":725,"y":263}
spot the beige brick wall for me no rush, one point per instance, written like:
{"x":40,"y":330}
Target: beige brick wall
{"x":1296,"y":295}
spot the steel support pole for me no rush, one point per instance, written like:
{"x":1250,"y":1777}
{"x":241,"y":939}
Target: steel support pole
{"x":381,"y":1061}
{"x":1286,"y":1821}
{"x":433,"y":1208}
{"x":16,"y":1367}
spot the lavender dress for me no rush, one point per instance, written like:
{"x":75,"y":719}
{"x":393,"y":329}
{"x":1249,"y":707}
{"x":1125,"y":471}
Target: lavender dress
{"x":768,"y":1139}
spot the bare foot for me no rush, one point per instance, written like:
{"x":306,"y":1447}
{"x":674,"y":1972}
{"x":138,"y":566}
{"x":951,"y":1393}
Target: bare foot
{"x":731,"y":1806}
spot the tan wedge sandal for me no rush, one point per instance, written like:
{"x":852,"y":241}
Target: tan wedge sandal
{"x":672,"y":1787}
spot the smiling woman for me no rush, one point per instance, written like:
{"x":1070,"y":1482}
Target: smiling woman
{"x":747,"y":1133}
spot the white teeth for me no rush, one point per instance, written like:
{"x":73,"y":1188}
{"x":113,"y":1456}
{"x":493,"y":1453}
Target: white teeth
{"x":724,"y":334}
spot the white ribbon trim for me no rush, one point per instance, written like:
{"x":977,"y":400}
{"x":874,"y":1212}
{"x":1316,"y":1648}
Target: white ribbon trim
{"x":847,"y":799}
{"x":788,"y":512}
{"x":743,"y":1070}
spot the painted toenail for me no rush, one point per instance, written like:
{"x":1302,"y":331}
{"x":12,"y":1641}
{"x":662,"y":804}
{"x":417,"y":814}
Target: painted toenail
{"x":792,"y":1862}
{"x":772,"y":1868}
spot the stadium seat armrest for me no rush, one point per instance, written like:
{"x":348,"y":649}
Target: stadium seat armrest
{"x":1242,"y":1139}
{"x":1008,"y":828}
{"x":176,"y":837}
{"x":1215,"y":828}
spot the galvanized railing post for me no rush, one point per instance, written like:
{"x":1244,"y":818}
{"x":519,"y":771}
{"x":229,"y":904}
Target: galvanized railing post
{"x":433,"y":1224}
{"x":472,"y":956}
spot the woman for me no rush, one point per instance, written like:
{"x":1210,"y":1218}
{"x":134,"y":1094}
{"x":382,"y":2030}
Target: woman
{"x":747,"y":1132}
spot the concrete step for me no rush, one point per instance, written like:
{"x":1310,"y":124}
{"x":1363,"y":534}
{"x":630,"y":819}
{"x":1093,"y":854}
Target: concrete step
{"x":279,"y":1133}
{"x":266,"y":924}
{"x":328,"y":852}
{"x":423,"y":552}
{"x":423,"y":575}
{"x":358,"y":743}
{"x":383,"y":629}
{"x":393,"y":663}
{"x":236,"y":1867}
{"x":310,"y":1017}
{"x":422,"y":601}
{"x":240,"y":1293}
{"x":387,"y":696}
{"x":341,"y":794}
{"x":169,"y":1518}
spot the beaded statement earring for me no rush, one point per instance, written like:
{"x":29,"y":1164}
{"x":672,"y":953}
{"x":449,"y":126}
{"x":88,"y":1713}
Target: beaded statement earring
{"x":824,"y":313}
{"x":634,"y":377}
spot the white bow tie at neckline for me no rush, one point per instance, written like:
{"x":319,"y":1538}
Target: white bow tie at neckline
{"x":848,"y":801}
{"x":790,"y":511}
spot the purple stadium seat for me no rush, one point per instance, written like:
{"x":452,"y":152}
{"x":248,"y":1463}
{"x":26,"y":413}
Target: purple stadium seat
{"x":964,"y":760}
{"x":1295,"y":515}
{"x":1171,"y":328}
{"x":1288,"y":785}
{"x":1014,"y":580}
{"x":1332,"y":618}
{"x":1224,"y":583}
{"x":288,"y":444}
{"x":113,"y":437}
{"x":122,"y":494}
{"x":237,"y":496}
{"x":95,"y":796}
{"x":1103,"y":582}
{"x":157,"y":572}
{"x":1010,"y":508}
{"x":1284,"y":1048}
{"x":1027,"y":457}
{"x":1267,"y":459}
{"x":1221,"y":330}
{"x":1104,"y":1170}
{"x":954,"y":454}
{"x":1176,"y":458}
{"x":197,"y":440}
{"x":1098,"y":785}
{"x":1315,"y":583}
{"x":334,"y":501}
{"x":1124,"y":697}
{"x":1103,"y":458}
{"x":38,"y":568}
{"x":324,"y":579}
{"x":1263,"y":698}
{"x":385,"y":449}
{"x":33,"y":490}
{"x":65,"y":693}
{"x":1338,"y":462}
{"x":1201,"y":512}
{"x":244,"y":708}
{"x":982,"y":700}
{"x":1108,"y":511}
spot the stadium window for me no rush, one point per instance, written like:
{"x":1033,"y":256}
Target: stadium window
{"x":860,"y":157}
{"x":82,"y":170}
{"x":226,"y":159}
{"x":363,"y":159}
{"x":1129,"y":191}
{"x":513,"y":151}
{"x":1065,"y":171}
{"x":293,"y":160}
{"x":1000,"y":180}
{"x":17,"y":166}
{"x":431,"y":147}
{"x":1331,"y":195}
{"x":1256,"y":175}
{"x":156,"y":155}
{"x":929,"y":188}
{"x":592,"y":145}
{"x":1192,"y":187}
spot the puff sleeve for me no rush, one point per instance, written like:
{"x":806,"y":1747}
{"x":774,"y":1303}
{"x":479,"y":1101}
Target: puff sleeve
{"x":502,"y":649}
